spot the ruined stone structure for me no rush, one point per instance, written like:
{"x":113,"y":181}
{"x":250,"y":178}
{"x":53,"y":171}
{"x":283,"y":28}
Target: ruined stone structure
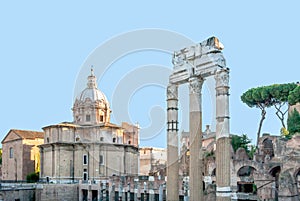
{"x":275,"y":169}
{"x":192,"y":65}
{"x":153,"y":161}
{"x":273,"y":173}
{"x":20,"y":155}
{"x":90,"y":148}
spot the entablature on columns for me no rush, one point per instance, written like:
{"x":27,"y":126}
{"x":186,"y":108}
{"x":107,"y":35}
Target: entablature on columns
{"x":200,"y":60}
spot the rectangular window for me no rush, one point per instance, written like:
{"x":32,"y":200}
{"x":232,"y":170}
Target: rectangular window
{"x":11,"y":152}
{"x":114,"y":140}
{"x":85,"y":159}
{"x":85,"y":174}
{"x":101,"y":161}
{"x":101,"y":118}
{"x":88,"y":117}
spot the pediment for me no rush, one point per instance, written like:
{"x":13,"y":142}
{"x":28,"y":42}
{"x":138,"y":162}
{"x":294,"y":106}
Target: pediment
{"x":11,"y":136}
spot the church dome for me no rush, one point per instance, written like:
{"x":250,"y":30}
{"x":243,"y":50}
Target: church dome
{"x":93,"y":94}
{"x":91,"y":105}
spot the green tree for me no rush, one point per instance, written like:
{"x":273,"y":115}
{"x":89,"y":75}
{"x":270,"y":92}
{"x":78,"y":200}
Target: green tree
{"x":293,"y":123}
{"x":294,"y":96}
{"x":240,"y":141}
{"x":279,"y":93}
{"x":259,"y":97}
{"x":252,"y":151}
{"x":243,"y":142}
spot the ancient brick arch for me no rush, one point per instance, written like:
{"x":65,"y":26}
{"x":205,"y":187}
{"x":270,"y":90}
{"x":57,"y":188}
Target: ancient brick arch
{"x":249,"y":167}
{"x":274,"y":169}
{"x":244,"y":163}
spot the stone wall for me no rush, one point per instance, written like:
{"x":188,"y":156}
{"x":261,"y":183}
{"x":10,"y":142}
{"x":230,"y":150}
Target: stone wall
{"x":152,"y":159}
{"x":21,"y":195}
{"x":10,"y":164}
{"x":57,"y":192}
{"x":64,"y":161}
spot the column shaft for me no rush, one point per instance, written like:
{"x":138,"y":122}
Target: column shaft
{"x":223,"y":155}
{"x":172,"y":144}
{"x":196,"y":164}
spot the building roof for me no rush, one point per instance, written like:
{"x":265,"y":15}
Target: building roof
{"x":23,"y":134}
{"x":26,"y":134}
{"x":71,"y":124}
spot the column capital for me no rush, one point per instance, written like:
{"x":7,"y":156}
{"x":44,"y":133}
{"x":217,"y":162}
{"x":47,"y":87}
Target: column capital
{"x":172,"y":92}
{"x":195,"y":85}
{"x":222,"y":78}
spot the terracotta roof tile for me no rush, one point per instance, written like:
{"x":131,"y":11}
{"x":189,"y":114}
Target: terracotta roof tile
{"x":25,"y":134}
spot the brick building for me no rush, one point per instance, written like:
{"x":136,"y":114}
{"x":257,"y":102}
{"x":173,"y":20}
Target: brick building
{"x":20,"y":155}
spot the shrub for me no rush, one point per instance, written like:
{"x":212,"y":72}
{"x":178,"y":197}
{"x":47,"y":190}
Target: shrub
{"x":32,"y":177}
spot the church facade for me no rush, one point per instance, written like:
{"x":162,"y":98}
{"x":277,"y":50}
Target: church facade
{"x":90,"y":147}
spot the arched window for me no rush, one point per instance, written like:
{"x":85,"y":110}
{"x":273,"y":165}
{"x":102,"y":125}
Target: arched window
{"x":246,"y":182}
{"x":213,"y":173}
{"x":85,"y":159}
{"x":11,"y":152}
{"x":268,"y":147}
{"x":275,"y":172}
{"x":245,"y":171}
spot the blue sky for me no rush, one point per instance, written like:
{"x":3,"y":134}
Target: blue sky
{"x":44,"y":45}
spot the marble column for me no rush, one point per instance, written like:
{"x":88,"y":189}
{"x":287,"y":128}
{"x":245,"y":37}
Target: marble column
{"x":196,"y":164}
{"x":112,"y":193}
{"x":161,"y":191}
{"x":223,"y":155}
{"x":151,"y":189}
{"x":172,"y":143}
{"x":128,"y":191}
{"x":136,"y":189}
{"x":103,"y":190}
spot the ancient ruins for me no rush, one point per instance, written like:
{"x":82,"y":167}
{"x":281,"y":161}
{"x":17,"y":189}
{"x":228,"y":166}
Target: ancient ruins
{"x":193,"y":65}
